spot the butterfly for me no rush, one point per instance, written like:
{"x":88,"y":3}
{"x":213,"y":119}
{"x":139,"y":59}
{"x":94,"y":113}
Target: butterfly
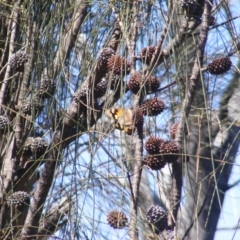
{"x":123,"y":119}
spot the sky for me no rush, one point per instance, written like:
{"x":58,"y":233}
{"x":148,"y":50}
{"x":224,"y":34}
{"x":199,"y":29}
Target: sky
{"x":230,"y":215}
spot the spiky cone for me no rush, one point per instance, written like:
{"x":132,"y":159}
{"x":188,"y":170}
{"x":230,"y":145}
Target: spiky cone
{"x":100,"y":89}
{"x":4,"y":123}
{"x":102,"y":61}
{"x":117,"y":220}
{"x":104,"y":56}
{"x":17,"y":61}
{"x":153,"y":145}
{"x":32,"y":105}
{"x":47,"y":87}
{"x":171,"y":151}
{"x":220,"y":66}
{"x":157,"y":217}
{"x":146,"y":54}
{"x":155,"y":162}
{"x":35,"y":146}
{"x":137,"y":82}
{"x":19,"y":199}
{"x":152,"y":107}
{"x":118,"y":65}
{"x":152,"y":84}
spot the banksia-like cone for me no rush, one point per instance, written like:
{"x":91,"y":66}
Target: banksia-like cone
{"x":137,"y":82}
{"x":100,"y":89}
{"x":36,"y":146}
{"x":157,"y":216}
{"x":4,"y":123}
{"x":220,"y":66}
{"x":26,"y":107}
{"x":152,"y":84}
{"x":102,"y":62}
{"x":118,"y":65}
{"x":146,"y":54}
{"x":104,"y":55}
{"x":34,"y":104}
{"x":18,"y":60}
{"x":153,"y":145}
{"x":155,"y":162}
{"x":47,"y":87}
{"x":171,"y":150}
{"x":152,"y":107}
{"x":18,"y":199}
{"x":117,"y":220}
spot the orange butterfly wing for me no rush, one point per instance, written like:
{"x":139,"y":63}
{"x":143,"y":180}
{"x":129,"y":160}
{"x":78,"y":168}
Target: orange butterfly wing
{"x":123,"y":119}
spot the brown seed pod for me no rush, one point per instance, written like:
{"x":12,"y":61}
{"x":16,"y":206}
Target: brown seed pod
{"x":35,"y":146}
{"x":18,"y":199}
{"x":137,"y":82}
{"x":104,"y":55}
{"x":152,"y":84}
{"x":117,"y":220}
{"x":146,"y":54}
{"x":47,"y":87}
{"x":171,"y":150}
{"x":18,"y":60}
{"x":118,"y":65}
{"x":220,"y":66}
{"x":32,"y":105}
{"x":155,"y":162}
{"x":153,"y":145}
{"x":157,"y":216}
{"x":4,"y":123}
{"x":152,"y":107}
{"x":100,"y":89}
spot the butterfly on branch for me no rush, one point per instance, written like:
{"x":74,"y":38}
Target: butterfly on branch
{"x":123,"y":119}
